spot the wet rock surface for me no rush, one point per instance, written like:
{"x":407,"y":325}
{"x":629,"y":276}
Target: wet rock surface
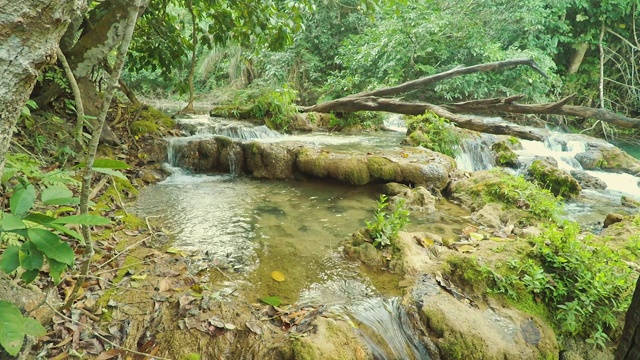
{"x":588,"y":181}
{"x":282,"y":160}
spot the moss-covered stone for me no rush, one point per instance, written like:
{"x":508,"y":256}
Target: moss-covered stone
{"x":504,"y":156}
{"x":383,"y":169}
{"x":231,"y":111}
{"x":149,"y":120}
{"x":558,"y":181}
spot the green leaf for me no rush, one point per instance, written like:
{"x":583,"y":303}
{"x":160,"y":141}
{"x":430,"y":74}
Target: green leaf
{"x":30,"y":257}
{"x":84,"y":219}
{"x":56,"y":269}
{"x":58,"y":195}
{"x":30,"y":275}
{"x":22,"y":200}
{"x":10,"y":259}
{"x":110,"y":164}
{"x":115,"y":173}
{"x":32,"y":327}
{"x":272,"y":300}
{"x":51,"y":245}
{"x":39,"y":219}
{"x":66,"y":231}
{"x":11,"y":328}
{"x":11,"y":222}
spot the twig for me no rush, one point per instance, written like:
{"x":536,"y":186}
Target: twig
{"x":77,"y":133}
{"x":123,"y":251}
{"x":115,"y":187}
{"x":102,"y":337}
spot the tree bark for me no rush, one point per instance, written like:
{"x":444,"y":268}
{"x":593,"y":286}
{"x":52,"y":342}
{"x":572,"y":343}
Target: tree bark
{"x":577,"y":57}
{"x":189,"y":109}
{"x":629,"y":346}
{"x":30,"y":31}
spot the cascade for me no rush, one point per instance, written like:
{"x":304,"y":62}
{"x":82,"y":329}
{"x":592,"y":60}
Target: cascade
{"x":385,"y":326}
{"x":475,"y":153}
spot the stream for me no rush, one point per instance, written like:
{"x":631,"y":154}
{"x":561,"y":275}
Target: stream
{"x":254,"y":227}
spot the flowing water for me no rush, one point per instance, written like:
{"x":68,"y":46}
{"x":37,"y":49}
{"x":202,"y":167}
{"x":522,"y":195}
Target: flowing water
{"x":255,"y":227}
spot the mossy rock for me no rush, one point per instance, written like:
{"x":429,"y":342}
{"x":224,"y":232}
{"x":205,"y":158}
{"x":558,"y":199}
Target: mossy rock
{"x":231,"y":111}
{"x":504,"y":156}
{"x":149,"y":121}
{"x":558,"y":181}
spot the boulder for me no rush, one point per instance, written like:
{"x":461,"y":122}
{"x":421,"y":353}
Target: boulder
{"x":416,"y":199}
{"x":609,"y":158}
{"x":588,"y":181}
{"x":629,"y":202}
{"x":558,"y":181}
{"x":484,"y":331}
{"x":490,"y":216}
{"x":612,"y":219}
{"x":504,"y":155}
{"x":269,"y":161}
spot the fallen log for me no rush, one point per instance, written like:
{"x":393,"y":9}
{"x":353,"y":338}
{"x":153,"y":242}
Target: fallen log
{"x":372,"y":103}
{"x":375,"y":101}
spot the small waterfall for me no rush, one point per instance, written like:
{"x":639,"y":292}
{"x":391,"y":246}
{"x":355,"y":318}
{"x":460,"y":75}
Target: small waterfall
{"x":476,"y":153}
{"x":232,"y":164}
{"x":395,"y":122}
{"x":385,"y":326}
{"x":236,"y":129}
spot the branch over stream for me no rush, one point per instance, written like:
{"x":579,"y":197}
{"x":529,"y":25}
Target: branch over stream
{"x":376,"y":101}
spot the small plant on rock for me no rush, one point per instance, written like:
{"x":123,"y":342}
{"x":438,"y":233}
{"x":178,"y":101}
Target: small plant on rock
{"x":434,"y":133}
{"x":385,"y":227}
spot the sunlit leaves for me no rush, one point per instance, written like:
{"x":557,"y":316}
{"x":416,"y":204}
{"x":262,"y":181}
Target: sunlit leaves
{"x":22,"y":200}
{"x":14,"y":326}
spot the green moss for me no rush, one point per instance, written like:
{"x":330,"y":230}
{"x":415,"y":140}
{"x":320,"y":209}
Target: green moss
{"x":455,"y":346}
{"x":353,"y":171}
{"x":192,"y":356}
{"x":156,"y":116}
{"x":234,"y":111}
{"x":382,"y":168}
{"x":435,"y":321}
{"x":557,"y":181}
{"x":130,"y":220}
{"x":467,"y":273}
{"x":303,"y":350}
{"x":504,"y":156}
{"x":514,"y":140}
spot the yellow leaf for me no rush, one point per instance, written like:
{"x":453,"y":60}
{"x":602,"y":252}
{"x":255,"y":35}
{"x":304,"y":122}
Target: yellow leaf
{"x":498,"y":239}
{"x":138,"y":277}
{"x":476,"y":236}
{"x":466,"y":248}
{"x":277,"y":276}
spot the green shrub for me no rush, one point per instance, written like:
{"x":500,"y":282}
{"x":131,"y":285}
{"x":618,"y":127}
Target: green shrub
{"x":275,"y":105}
{"x":384,"y":229}
{"x":583,"y":283}
{"x":434,"y":133}
{"x":365,"y":118}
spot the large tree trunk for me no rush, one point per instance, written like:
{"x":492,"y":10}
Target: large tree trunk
{"x":30,"y":31}
{"x":629,"y":346}
{"x":88,"y":54}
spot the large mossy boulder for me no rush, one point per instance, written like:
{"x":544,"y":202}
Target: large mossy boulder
{"x":558,"y":181}
{"x":482,"y":332}
{"x":609,"y":158}
{"x":269,"y":161}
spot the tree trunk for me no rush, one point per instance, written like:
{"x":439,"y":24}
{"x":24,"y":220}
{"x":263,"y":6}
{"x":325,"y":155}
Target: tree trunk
{"x":189,"y":109}
{"x":30,"y":31}
{"x":577,"y":57}
{"x":629,"y":346}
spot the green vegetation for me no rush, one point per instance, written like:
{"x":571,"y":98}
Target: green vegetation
{"x":366,"y":119}
{"x":559,"y":182}
{"x":434,"y":133}
{"x":584,"y":285}
{"x":517,"y":192}
{"x":275,"y":106}
{"x":384,"y":228}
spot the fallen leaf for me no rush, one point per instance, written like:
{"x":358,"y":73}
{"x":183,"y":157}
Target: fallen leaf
{"x":109,"y":354}
{"x":229,"y":326}
{"x":476,"y":236}
{"x":277,"y":276}
{"x":466,"y":248}
{"x":469,"y":229}
{"x":498,"y":239}
{"x":254,"y":327}
{"x":272,"y":300}
{"x":164,"y":285}
{"x":139,"y":277}
{"x":424,"y":242}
